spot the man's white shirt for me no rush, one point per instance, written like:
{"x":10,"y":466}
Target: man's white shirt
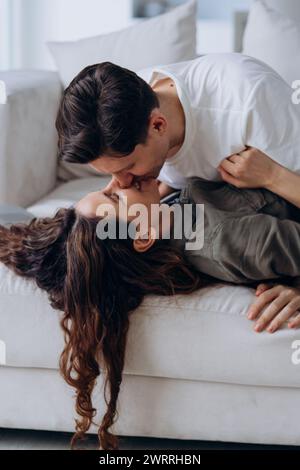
{"x":230,"y":101}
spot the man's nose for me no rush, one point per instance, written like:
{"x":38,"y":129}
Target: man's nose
{"x":125,"y":181}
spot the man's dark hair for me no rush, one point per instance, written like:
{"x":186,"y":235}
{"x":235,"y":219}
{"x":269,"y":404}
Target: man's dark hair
{"x":105,"y":110}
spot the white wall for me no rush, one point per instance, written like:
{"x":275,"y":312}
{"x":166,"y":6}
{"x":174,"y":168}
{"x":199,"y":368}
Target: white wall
{"x":221,"y":9}
{"x":4,"y":34}
{"x":62,"y":20}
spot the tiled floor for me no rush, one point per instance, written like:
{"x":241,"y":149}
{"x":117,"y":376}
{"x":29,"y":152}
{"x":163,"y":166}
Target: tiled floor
{"x":13,"y":439}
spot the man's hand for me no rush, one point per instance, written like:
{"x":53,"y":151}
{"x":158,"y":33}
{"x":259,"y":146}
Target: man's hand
{"x":283,"y":305}
{"x":250,"y":168}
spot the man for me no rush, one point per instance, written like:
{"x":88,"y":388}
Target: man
{"x":178,"y":120}
{"x":219,"y":116}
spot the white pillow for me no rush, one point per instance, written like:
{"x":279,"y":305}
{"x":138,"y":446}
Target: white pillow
{"x":274,"y":38}
{"x":289,"y":8}
{"x":166,"y":38}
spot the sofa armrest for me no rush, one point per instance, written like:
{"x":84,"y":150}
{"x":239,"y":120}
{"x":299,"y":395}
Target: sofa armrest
{"x":29,"y":101}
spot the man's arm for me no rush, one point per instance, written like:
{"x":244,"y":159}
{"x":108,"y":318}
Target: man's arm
{"x":254,"y":169}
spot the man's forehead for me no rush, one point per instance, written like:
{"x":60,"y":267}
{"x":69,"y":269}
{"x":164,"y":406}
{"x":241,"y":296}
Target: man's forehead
{"x":114,"y":163}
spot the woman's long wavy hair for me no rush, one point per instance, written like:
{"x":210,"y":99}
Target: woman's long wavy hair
{"x":95,"y":284}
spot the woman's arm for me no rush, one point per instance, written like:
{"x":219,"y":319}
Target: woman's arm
{"x":254,"y":169}
{"x":280,"y":303}
{"x":164,"y":189}
{"x":253,"y":247}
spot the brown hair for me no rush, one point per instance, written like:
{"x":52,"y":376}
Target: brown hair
{"x":96,"y":284}
{"x":105,"y":109}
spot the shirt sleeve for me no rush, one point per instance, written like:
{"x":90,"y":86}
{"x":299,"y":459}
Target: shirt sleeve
{"x":256,"y":247}
{"x":271,"y":121}
{"x":171,"y":177}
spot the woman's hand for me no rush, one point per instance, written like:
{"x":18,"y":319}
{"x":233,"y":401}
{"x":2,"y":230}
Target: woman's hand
{"x":248,"y":169}
{"x":284,"y":305}
{"x":164,"y":189}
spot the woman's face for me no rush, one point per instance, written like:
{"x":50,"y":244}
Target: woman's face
{"x":145,"y":193}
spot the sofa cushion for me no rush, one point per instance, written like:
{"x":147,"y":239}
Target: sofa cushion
{"x":13,"y":214}
{"x":29,"y":101}
{"x":203,"y":336}
{"x":64,"y":195}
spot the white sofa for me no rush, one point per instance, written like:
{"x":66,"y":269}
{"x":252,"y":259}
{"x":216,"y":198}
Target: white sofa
{"x":194,"y":368}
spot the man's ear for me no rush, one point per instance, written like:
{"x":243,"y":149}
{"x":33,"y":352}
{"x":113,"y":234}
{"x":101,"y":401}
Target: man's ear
{"x":144,"y":244}
{"x":158,"y":122}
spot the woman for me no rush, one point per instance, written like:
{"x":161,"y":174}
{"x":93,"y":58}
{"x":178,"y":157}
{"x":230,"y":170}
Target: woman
{"x":97,"y":283}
